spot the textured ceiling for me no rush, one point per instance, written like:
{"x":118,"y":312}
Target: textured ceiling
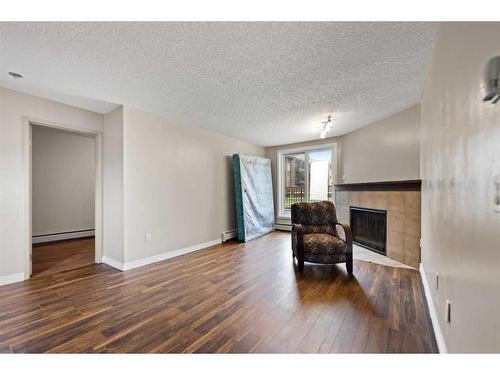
{"x":266,"y":83}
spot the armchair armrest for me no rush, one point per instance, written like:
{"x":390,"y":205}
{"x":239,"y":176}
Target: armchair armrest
{"x":348,"y":239}
{"x":298,"y":240}
{"x":347,"y":235}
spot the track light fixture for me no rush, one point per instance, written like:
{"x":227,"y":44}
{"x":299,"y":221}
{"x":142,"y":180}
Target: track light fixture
{"x":15,"y":75}
{"x":327,"y":126}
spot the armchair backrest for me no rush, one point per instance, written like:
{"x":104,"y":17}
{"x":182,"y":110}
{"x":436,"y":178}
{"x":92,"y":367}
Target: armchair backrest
{"x":314,"y":214}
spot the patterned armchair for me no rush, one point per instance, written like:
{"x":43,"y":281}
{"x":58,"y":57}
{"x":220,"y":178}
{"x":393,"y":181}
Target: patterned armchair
{"x":315,"y":238}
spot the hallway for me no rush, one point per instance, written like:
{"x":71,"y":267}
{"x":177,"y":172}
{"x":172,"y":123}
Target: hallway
{"x":58,"y":256}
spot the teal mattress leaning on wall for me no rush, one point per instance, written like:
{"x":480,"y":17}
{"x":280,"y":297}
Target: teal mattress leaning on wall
{"x":254,"y":196}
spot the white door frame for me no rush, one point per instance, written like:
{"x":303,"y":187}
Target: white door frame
{"x":27,"y":123}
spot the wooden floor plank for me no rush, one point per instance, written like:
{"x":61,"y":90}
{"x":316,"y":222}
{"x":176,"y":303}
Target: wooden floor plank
{"x":57,"y":256}
{"x":229,"y":298}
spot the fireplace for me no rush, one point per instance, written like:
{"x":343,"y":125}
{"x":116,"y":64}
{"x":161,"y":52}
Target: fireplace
{"x":369,"y":228}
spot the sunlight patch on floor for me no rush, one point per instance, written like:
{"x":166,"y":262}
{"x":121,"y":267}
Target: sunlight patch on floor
{"x":361,"y":253}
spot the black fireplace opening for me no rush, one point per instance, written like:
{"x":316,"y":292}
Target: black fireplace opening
{"x":369,"y":228}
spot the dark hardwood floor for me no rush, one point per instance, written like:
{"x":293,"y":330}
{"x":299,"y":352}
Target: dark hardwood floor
{"x":57,"y":256}
{"x":227,"y":298}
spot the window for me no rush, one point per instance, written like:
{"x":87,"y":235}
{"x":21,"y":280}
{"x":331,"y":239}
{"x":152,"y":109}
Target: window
{"x":306,"y":175}
{"x":295,"y":179}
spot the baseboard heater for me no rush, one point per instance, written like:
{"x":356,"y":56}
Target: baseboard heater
{"x":228,"y":234}
{"x":285,"y":227}
{"x":41,"y":238}
{"x":233,"y":233}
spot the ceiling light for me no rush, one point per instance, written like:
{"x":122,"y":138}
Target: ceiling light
{"x":327,"y":126}
{"x":15,"y":75}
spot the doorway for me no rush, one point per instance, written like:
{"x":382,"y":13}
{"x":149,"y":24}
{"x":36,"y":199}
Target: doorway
{"x":65,"y":195}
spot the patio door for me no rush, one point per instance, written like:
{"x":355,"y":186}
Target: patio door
{"x":307,"y":177}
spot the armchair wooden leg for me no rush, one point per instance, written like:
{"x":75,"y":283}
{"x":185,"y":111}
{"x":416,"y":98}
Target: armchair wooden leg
{"x":349,"y":264}
{"x":300,"y":266}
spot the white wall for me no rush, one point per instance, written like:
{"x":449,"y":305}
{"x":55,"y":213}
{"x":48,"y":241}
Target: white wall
{"x":178,"y":184}
{"x":171,"y":180}
{"x":387,"y":150}
{"x":63,"y":181}
{"x":113,"y":185}
{"x":15,"y":108}
{"x":459,"y":148}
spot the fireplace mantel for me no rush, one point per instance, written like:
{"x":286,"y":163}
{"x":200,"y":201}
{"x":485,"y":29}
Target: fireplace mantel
{"x":404,"y":185}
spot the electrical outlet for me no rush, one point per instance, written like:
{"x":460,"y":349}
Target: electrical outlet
{"x":147,"y":237}
{"x":496,"y":199}
{"x":496,"y":186}
{"x":448,"y":311}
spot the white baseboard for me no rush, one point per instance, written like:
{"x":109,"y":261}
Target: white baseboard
{"x":62,"y":236}
{"x":228,"y":234}
{"x":9,"y":279}
{"x":433,"y":313}
{"x":113,"y":263}
{"x":157,"y":258}
{"x":168,"y":255}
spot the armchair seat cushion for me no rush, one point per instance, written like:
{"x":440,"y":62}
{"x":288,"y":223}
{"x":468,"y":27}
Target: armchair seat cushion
{"x":323,"y":244}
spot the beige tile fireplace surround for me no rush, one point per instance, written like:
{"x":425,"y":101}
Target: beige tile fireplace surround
{"x":402,"y":203}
